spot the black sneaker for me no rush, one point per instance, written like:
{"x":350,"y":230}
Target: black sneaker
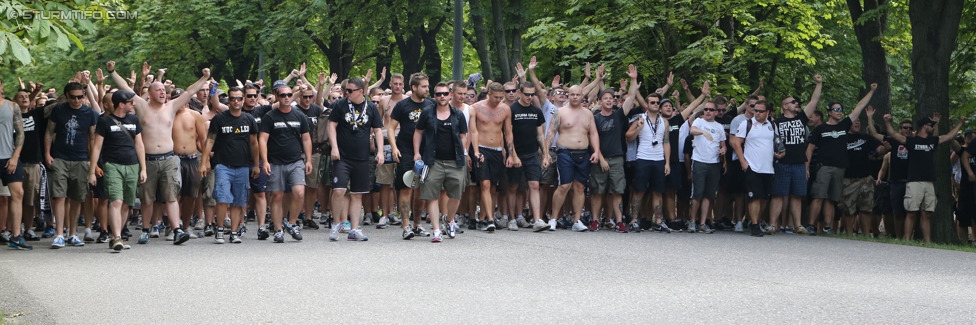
{"x":309,"y":223}
{"x":125,"y":233}
{"x":472,"y":224}
{"x":180,"y":236}
{"x":29,"y":235}
{"x":263,"y":233}
{"x":102,"y":237}
{"x":18,"y":242}
{"x":756,"y":230}
{"x":208,"y":231}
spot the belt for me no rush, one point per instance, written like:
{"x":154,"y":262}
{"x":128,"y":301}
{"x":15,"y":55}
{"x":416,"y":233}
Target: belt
{"x":157,"y":157}
{"x":490,"y":148}
{"x":560,"y":149}
{"x":190,"y":156}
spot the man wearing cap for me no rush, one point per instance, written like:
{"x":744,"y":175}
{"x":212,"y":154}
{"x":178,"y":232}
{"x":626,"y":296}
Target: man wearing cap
{"x":793,"y":169}
{"x":920,"y":189}
{"x":829,"y":140}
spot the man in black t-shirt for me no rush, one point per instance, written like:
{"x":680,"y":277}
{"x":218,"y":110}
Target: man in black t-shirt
{"x":830,"y":141}
{"x":286,"y":150}
{"x":858,"y":197}
{"x":234,"y":135}
{"x":920,"y":189}
{"x":312,"y":111}
{"x":528,"y":131}
{"x":966,"y":211}
{"x":404,"y":116}
{"x":793,"y":169}
{"x":30,"y":155}
{"x":352,"y":121}
{"x":896,"y":173}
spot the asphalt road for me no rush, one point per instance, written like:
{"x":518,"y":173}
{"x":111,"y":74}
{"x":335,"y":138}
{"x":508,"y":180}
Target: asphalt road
{"x":505,"y":277}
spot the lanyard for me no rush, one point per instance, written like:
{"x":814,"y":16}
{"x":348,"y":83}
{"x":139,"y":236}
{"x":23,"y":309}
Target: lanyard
{"x":653,"y":126}
{"x":356,"y":119}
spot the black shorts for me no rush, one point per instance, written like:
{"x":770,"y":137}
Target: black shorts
{"x":898,"y":193}
{"x":259,"y":184}
{"x":493,"y":168}
{"x":758,"y":186}
{"x":675,"y":180}
{"x":966,"y":208}
{"x":352,"y":172}
{"x":16,"y":176}
{"x":882,"y":199}
{"x":531,"y":171}
{"x":98,"y":190}
{"x":733,"y":179}
{"x":402,"y":167}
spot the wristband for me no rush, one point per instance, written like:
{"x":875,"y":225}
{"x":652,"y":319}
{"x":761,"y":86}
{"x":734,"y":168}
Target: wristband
{"x":110,"y":71}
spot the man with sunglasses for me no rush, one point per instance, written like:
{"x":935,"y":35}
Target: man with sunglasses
{"x":793,"y":169}
{"x":312,"y":111}
{"x":577,"y":132}
{"x":895,"y":168}
{"x":351,"y":123}
{"x":754,"y":143}
{"x":286,"y":151}
{"x":528,"y":132}
{"x":829,"y":140}
{"x":404,"y":116}
{"x":707,"y":163}
{"x":258,"y":201}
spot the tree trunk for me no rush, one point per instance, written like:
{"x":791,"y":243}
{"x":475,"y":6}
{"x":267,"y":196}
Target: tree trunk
{"x":384,"y":59}
{"x":935,"y":25}
{"x":501,"y":44}
{"x":432,"y":55}
{"x":478,"y":20}
{"x":874,"y":62}
{"x":517,"y":30}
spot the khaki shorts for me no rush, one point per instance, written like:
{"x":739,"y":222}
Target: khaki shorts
{"x":920,"y":196}
{"x":858,"y":195}
{"x":444,"y":175}
{"x":32,"y":183}
{"x":69,"y":179}
{"x":207,"y":189}
{"x":325,"y":170}
{"x":385,"y":174}
{"x":162,"y":179}
{"x":121,"y":182}
{"x":611,"y":181}
{"x":829,"y":184}
{"x":312,"y":179}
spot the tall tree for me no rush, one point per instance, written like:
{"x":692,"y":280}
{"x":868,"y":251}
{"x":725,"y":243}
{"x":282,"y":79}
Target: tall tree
{"x":481,"y":40}
{"x":870,"y":21}
{"x":935,"y":25}
{"x":501,"y":42}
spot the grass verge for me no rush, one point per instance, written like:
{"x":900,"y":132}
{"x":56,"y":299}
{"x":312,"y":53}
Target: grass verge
{"x":888,"y":240}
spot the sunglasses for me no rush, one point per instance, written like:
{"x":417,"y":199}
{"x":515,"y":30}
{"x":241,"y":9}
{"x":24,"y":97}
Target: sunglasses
{"x":837,"y":109}
{"x":334,"y":97}
{"x":760,"y":111}
{"x":235,"y":98}
{"x":752,"y":105}
{"x":794,"y":102}
{"x":653,"y":103}
{"x":906,"y":128}
{"x":285,"y":95}
{"x":511,"y":91}
{"x":616,"y":96}
{"x":710,"y":109}
{"x":529,"y":94}
{"x":252,"y":95}
{"x":440,"y":94}
{"x":76,"y":97}
{"x":308,"y":96}
{"x":470,"y":95}
{"x":560,"y":92}
{"x":350,"y":91}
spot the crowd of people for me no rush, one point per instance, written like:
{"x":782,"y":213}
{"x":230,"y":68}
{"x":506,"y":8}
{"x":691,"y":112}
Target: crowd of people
{"x":205,"y":162}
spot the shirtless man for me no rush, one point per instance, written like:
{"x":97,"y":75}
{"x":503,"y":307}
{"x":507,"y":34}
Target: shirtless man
{"x":188,"y":140}
{"x":386,"y":104}
{"x":494,"y":125}
{"x":577,"y":133}
{"x":162,"y":166}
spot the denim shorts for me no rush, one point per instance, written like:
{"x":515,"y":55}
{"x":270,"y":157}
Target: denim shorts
{"x":232,"y":185}
{"x":573,"y":165}
{"x":790,"y":179}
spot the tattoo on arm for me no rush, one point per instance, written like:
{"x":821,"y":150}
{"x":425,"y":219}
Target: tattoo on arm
{"x":19,"y":130}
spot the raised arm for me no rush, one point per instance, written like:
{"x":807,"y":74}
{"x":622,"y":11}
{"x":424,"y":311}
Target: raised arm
{"x":696,"y":104}
{"x":215,"y":103}
{"x":871,"y":128}
{"x":863,"y":103}
{"x":179,"y":102}
{"x":540,"y":89}
{"x":632,"y":92}
{"x":945,"y":137}
{"x":891,"y":131}
{"x":815,"y":98}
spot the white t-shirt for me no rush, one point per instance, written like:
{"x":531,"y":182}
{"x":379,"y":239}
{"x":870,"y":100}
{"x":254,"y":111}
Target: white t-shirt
{"x":738,"y":120}
{"x":650,"y":139}
{"x":632,"y":145}
{"x":758,"y":149}
{"x":707,"y":151}
{"x":683,"y":133}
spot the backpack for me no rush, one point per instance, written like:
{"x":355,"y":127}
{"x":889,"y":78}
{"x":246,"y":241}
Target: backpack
{"x":778,"y":144}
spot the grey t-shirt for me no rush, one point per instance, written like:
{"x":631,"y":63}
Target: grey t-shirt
{"x":6,"y":130}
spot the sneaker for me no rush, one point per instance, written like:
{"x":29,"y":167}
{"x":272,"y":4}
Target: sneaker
{"x":490,"y":227}
{"x":578,"y":226}
{"x":828,"y":231}
{"x":594,"y":225}
{"x":483,"y":225}
{"x":738,"y":226}
{"x":200,"y":225}
{"x":117,"y":244}
{"x":500,"y":222}
{"x":29,"y":235}
{"x":621,"y":228}
{"x":394,"y":221}
{"x":802,"y":231}
{"x":513,"y":225}
{"x":383,"y":223}
{"x":263,"y":233}
{"x":420,"y":231}
{"x":704,"y":228}
{"x":180,"y":236}
{"x":407,"y":234}
{"x":522,"y":223}
{"x":192,"y":235}
{"x":540,"y":226}
{"x":88,"y":236}
{"x":437,"y":236}
{"x":564,"y":223}
{"x":294,"y":231}
{"x":58,"y":242}
{"x":452,"y":229}
{"x":208,"y":230}
{"x":552,"y":224}
{"x":770,"y":230}
{"x":154,"y":233}
{"x":102,"y":237}
{"x":279,"y":236}
{"x":691,"y":227}
{"x":334,"y":232}
{"x":367,"y":219}
{"x":346,"y":226}
{"x":356,"y":235}
{"x":226,"y":222}
{"x":169,"y":235}
{"x":755,"y":230}
{"x":219,"y":237}
{"x":234,"y":238}
{"x":663,"y":227}
{"x":144,"y":238}
{"x":634,"y":226}
{"x":48,"y":232}
{"x":18,"y":242}
{"x":75,"y":241}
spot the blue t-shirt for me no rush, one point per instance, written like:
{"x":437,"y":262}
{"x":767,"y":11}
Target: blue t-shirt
{"x":71,"y":131}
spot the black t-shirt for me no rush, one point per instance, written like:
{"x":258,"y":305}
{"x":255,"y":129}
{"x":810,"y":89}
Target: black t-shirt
{"x":525,"y":123}
{"x":34,"y":126}
{"x":258,"y":112}
{"x":232,"y":146}
{"x":118,"y":147}
{"x":313,"y":113}
{"x":284,"y":135}
{"x":860,"y":149}
{"x":726,"y":122}
{"x":612,"y":131}
{"x":354,"y":126}
{"x":921,"y":158}
{"x":966,"y":185}
{"x":444,"y":141}
{"x":898,"y":161}
{"x":674,"y":127}
{"x":831,"y":142}
{"x":793,"y":131}
{"x":71,"y":127}
{"x":407,"y":113}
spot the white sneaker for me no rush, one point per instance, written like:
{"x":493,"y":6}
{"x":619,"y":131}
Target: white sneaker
{"x":513,"y":225}
{"x":522,"y":223}
{"x":501,"y":223}
{"x":738,"y":226}
{"x":88,"y":235}
{"x":384,"y":222}
{"x":193,"y":235}
{"x":200,"y":225}
{"x":334,"y":233}
{"x":552,"y":224}
{"x":539,"y":226}
{"x":579,"y":226}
